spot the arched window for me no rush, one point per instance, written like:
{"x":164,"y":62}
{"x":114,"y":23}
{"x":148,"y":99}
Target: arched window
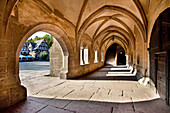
{"x":102,"y":56}
{"x":95,"y":58}
{"x":81,"y":56}
{"x":86,"y":56}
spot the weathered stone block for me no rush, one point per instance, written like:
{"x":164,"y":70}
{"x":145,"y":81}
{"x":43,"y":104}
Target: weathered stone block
{"x":3,"y":69}
{"x":18,"y":94}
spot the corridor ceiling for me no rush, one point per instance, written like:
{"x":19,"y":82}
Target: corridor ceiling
{"x":99,"y":20}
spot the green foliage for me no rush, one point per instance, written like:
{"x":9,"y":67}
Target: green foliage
{"x":47,"y":38}
{"x":35,"y":56}
{"x":30,"y":40}
{"x":44,"y":55}
{"x":36,"y":38}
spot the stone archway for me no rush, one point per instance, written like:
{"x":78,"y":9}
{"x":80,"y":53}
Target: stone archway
{"x":59,"y":49}
{"x":113,"y":55}
{"x":159,"y":55}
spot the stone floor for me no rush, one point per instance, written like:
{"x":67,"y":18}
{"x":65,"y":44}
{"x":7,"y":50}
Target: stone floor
{"x":87,"y":95}
{"x":29,"y":70}
{"x":110,"y":72}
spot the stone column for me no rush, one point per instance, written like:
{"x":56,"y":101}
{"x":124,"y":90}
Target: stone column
{"x":115,"y":60}
{"x":56,"y":59}
{"x":127,"y":60}
{"x":92,"y":55}
{"x":64,"y":70}
{"x":11,"y":90}
{"x":134,"y":57}
{"x":83,"y":56}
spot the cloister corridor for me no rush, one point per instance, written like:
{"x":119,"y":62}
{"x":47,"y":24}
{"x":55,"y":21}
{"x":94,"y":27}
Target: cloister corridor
{"x":102,"y":91}
{"x":104,"y":56}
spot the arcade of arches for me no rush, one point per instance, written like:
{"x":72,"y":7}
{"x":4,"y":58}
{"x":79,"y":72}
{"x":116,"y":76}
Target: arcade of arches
{"x":90,"y":33}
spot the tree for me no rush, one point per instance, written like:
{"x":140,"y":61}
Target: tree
{"x":44,"y":55}
{"x":48,"y":39}
{"x":30,"y":40}
{"x":36,"y":38}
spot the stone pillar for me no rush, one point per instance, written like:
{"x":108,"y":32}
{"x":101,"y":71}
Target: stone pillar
{"x":11,"y":90}
{"x":115,"y":60}
{"x":83,"y":56}
{"x":99,"y":55}
{"x":134,"y":57}
{"x":127,"y":60}
{"x":64,"y":70}
{"x":73,"y":64}
{"x":89,"y":55}
{"x":92,"y":55}
{"x":56,"y":59}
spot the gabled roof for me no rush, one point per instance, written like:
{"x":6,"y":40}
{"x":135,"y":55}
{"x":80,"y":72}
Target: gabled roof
{"x":38,"y":43}
{"x":33,"y":44}
{"x":27,"y":43}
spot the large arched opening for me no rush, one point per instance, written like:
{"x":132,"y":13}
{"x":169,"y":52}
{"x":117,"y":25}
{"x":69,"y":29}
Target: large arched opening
{"x":59,"y":49}
{"x":159,"y":55}
{"x":58,"y":56}
{"x":115,"y":55}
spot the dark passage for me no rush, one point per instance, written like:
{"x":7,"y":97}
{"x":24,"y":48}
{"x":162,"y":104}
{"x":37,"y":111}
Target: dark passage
{"x":121,"y":59}
{"x":115,"y":55}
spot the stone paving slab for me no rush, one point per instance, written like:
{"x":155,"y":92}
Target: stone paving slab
{"x":154,"y":106}
{"x":51,"y":91}
{"x":43,"y":85}
{"x":64,"y":92}
{"x":84,"y":107}
{"x":80,"y":95}
{"x":59,"y":103}
{"x":40,"y":99}
{"x":50,"y":109}
{"x":51,"y":95}
{"x":28,"y":106}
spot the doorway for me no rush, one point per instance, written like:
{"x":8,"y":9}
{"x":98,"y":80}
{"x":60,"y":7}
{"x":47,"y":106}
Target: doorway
{"x":121,"y":58}
{"x":159,"y":55}
{"x":115,"y":55}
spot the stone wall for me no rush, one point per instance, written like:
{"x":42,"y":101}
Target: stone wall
{"x":159,"y":48}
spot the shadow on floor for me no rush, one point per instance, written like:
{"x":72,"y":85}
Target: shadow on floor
{"x":103,"y":74}
{"x":53,"y":105}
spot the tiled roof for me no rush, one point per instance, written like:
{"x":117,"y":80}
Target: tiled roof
{"x":38,"y":42}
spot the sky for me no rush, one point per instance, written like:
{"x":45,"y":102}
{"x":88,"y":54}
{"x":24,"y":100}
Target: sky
{"x":39,"y":34}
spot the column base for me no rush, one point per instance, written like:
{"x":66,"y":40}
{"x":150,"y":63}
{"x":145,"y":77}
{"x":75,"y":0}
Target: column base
{"x":63,"y":76}
{"x":11,"y":96}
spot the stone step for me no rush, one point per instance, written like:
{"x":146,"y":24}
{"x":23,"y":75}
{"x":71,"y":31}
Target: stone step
{"x":115,"y":71}
{"x":122,"y":72}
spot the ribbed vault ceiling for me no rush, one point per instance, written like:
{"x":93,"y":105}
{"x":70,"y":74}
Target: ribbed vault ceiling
{"x":101,"y":19}
{"x":97,"y":18}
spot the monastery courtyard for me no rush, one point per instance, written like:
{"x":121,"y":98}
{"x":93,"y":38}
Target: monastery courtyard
{"x":112,"y":93}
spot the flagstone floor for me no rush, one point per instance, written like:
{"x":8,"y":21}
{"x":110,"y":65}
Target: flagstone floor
{"x":87,"y":95}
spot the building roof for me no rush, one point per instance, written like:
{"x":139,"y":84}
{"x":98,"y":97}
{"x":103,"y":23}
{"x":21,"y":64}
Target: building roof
{"x":38,"y":43}
{"x":33,"y":44}
{"x":27,"y":43}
